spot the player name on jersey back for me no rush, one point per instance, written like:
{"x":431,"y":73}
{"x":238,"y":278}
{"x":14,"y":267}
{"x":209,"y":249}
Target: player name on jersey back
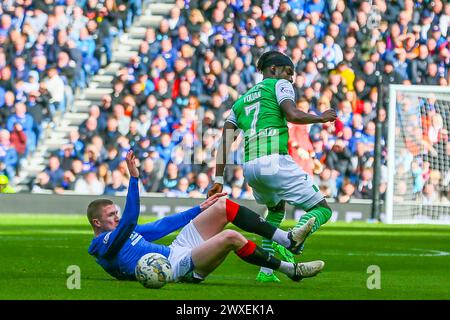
{"x":252,"y":96}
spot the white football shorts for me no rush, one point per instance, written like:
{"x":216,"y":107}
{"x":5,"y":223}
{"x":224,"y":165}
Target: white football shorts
{"x":278,"y":177}
{"x":180,"y":256}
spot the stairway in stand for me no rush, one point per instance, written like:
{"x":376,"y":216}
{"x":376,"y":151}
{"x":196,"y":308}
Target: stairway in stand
{"x":124,"y":47}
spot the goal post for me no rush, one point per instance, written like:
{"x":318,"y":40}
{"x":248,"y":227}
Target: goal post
{"x":418,"y":155}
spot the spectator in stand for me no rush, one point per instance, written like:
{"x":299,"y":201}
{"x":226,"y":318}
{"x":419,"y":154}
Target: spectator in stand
{"x":113,"y":158}
{"x":78,"y":145}
{"x":8,"y":155}
{"x":55,"y":171}
{"x":43,"y":183}
{"x":89,"y":184}
{"x":66,"y":156}
{"x":339,"y":159}
{"x":326,"y":180}
{"x":117,"y":184}
{"x":38,"y":107}
{"x":238,"y":179}
{"x":133,"y":134}
{"x":346,"y":193}
{"x":181,"y":190}
{"x":55,"y":86}
{"x":166,"y":147}
{"x":111,"y":134}
{"x":149,"y":176}
{"x":365,"y":187}
{"x":68,"y":182}
{"x":18,"y":140}
{"x":123,"y":121}
{"x":430,"y":196}
{"x":170,"y":179}
{"x":202,"y":184}
{"x":26,"y":121}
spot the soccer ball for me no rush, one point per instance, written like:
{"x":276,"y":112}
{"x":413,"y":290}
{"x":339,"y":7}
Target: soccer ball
{"x":153,"y":270}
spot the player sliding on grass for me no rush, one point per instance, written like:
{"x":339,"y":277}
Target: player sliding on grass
{"x":200,"y":247}
{"x":262,"y":114}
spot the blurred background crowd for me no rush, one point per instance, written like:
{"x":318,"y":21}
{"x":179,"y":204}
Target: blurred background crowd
{"x":170,"y":101}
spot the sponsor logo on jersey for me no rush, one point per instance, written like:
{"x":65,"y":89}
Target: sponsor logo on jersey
{"x":106,"y":238}
{"x":135,"y":237}
{"x":286,"y":90}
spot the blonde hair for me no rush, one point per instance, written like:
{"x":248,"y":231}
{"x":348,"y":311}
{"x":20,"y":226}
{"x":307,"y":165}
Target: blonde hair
{"x":291,"y":30}
{"x":323,"y":104}
{"x":188,"y":50}
{"x":196,"y":16}
{"x":324,"y":100}
{"x":208,"y":25}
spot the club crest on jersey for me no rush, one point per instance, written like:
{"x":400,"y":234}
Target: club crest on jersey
{"x":106,"y":238}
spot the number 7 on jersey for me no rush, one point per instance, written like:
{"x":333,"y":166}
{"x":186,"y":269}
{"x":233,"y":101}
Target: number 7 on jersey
{"x":248,"y":110}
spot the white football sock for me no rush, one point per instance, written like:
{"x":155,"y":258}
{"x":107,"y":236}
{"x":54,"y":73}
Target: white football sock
{"x":281,"y":237}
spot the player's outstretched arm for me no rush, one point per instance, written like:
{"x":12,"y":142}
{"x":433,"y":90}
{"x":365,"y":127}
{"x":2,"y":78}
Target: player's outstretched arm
{"x":130,"y":216}
{"x":228,"y":137}
{"x":297,"y":116}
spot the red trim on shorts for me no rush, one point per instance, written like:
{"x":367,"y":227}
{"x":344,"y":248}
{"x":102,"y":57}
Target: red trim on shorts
{"x":247,"y":249}
{"x":232,"y":209}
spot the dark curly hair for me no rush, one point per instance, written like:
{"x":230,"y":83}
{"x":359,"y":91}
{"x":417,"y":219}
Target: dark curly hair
{"x":271,"y":58}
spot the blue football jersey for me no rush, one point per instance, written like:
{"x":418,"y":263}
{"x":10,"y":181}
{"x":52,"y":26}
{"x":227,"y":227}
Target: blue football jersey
{"x":118,"y":251}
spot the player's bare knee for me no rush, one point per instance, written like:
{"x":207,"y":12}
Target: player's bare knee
{"x":222,"y":206}
{"x":220,"y":210}
{"x":233,"y":238}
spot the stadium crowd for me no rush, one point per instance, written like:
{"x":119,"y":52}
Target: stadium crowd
{"x":170,"y":101}
{"x":49,"y":49}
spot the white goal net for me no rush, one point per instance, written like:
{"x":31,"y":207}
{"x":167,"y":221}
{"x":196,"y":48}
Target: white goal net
{"x":418,"y":155}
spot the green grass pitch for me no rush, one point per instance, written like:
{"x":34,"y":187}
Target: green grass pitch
{"x":414,"y":263}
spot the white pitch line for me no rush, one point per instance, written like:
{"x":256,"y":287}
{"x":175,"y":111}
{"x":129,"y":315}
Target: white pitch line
{"x":425,"y":253}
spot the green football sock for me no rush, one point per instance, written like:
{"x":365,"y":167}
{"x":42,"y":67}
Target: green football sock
{"x":274,"y":218}
{"x":322,"y":215}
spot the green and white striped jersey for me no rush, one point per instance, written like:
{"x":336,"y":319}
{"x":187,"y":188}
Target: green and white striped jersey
{"x":259,"y":115}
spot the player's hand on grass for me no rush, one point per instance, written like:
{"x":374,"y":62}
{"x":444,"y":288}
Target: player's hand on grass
{"x":211,"y":200}
{"x":329,"y":115}
{"x":217,"y":188}
{"x":131,"y":163}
